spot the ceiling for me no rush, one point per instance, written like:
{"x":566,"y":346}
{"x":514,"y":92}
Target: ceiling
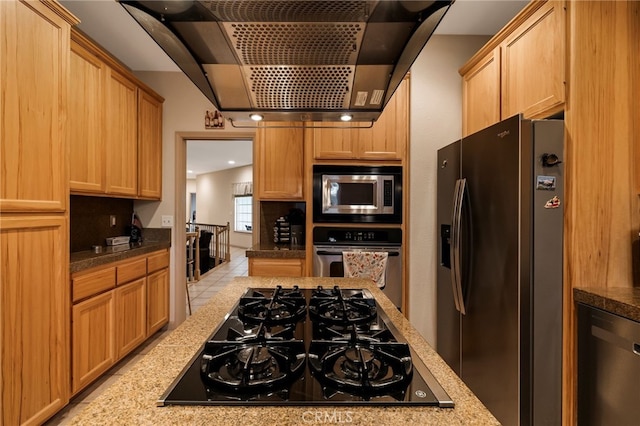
{"x":110,"y":25}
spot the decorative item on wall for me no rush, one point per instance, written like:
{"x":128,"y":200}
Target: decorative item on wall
{"x":213,"y":120}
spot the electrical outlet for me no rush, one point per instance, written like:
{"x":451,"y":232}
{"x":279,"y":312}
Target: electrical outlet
{"x":112,"y":221}
{"x":167,"y":221}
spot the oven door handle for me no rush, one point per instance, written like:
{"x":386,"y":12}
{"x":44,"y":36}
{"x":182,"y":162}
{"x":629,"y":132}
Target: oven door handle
{"x":339,"y":253}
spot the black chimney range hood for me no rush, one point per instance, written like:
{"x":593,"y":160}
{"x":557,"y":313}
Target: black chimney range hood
{"x":292,"y":60}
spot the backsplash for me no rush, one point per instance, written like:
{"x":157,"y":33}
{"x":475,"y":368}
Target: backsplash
{"x":269,"y":212}
{"x":89,"y":220}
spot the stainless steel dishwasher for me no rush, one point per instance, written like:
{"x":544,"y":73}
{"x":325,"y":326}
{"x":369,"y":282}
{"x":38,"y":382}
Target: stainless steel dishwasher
{"x":608,"y":368}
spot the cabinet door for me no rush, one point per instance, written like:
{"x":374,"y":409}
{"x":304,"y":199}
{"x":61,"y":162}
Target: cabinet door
{"x":387,"y":139}
{"x":157,"y":300}
{"x":131,"y":316}
{"x":481,"y":94}
{"x":262,"y":267}
{"x":34,"y":317}
{"x":86,"y":122}
{"x":333,"y":143}
{"x":93,"y":350}
{"x":34,"y":59}
{"x":280,"y":162}
{"x":149,"y":146}
{"x":533,"y":58}
{"x":122,"y":139}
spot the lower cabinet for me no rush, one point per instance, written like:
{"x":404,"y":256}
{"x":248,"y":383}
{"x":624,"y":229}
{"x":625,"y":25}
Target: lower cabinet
{"x":93,"y":349}
{"x":157,"y":300}
{"x":115,"y":308}
{"x":131,"y":316}
{"x":265,"y":267}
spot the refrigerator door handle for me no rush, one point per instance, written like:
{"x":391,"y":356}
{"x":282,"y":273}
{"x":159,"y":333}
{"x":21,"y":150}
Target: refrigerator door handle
{"x":456,"y":273}
{"x":455,"y":243}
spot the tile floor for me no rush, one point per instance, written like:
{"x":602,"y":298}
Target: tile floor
{"x":200,"y":292}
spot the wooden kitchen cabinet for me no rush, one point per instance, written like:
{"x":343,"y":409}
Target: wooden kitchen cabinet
{"x":520,"y":70}
{"x":267,"y":267}
{"x":131,"y":316}
{"x":386,"y":140}
{"x":157,"y":291}
{"x":121,"y":135}
{"x":115,"y":308}
{"x":34,"y":235}
{"x":93,"y":334}
{"x":481,"y":94}
{"x":157,"y":300}
{"x":533,"y":58}
{"x":149,"y":145}
{"x":279,"y":162}
{"x":116,"y":127}
{"x":86,"y":121}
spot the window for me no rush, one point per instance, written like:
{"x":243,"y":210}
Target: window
{"x":243,"y":213}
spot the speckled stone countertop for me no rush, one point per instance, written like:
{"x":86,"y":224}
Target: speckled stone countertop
{"x":623,"y":301}
{"x":132,"y":399}
{"x":82,"y":260}
{"x":274,"y":251}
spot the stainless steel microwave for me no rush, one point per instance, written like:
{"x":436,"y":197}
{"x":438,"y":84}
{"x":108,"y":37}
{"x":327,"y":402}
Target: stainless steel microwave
{"x":354,"y":194}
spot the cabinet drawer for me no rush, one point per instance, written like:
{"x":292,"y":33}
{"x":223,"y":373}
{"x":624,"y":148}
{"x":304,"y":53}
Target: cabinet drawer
{"x":259,"y":267}
{"x":92,"y":283}
{"x":132,"y":270}
{"x":158,"y":261}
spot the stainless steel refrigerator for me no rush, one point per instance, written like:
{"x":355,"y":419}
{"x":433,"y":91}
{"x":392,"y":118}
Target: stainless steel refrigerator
{"x":499,"y":307}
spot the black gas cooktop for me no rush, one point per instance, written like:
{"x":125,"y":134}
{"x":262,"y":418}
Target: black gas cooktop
{"x":297,"y":346}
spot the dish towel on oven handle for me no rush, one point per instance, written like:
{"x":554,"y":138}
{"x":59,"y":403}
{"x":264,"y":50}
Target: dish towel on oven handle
{"x":366,"y":264}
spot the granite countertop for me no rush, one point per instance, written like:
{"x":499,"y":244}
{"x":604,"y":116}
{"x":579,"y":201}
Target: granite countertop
{"x":132,"y":399}
{"x":623,"y":301}
{"x":275,"y":251}
{"x":82,"y":260}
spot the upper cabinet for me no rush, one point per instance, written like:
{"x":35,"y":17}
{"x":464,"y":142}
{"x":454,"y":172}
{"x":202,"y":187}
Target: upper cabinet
{"x":34,"y":64}
{"x":121,"y":135}
{"x":385,"y":140}
{"x":481,"y":87}
{"x":116,"y":132}
{"x":279,"y":162}
{"x":533,"y":57}
{"x":520,"y":70}
{"x":86,"y":124}
{"x":149,"y":145}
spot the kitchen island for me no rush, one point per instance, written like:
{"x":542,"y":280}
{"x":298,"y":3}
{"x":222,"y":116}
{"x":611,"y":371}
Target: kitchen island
{"x":132,"y":399}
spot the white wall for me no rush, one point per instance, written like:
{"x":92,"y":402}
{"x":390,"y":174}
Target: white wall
{"x":191,"y":189}
{"x":214,"y":200}
{"x":436,"y":121}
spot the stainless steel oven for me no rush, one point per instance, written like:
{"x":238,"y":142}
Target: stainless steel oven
{"x":330,"y":242}
{"x":353,"y":194}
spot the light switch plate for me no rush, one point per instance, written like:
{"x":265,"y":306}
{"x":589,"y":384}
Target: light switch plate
{"x":167,"y":221}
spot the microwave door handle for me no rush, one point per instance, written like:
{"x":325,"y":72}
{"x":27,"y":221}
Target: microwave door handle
{"x":452,"y":246}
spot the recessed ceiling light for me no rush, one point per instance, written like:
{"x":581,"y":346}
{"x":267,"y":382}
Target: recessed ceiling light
{"x":189,"y":171}
{"x":256,"y":117}
{"x":231,"y":162}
